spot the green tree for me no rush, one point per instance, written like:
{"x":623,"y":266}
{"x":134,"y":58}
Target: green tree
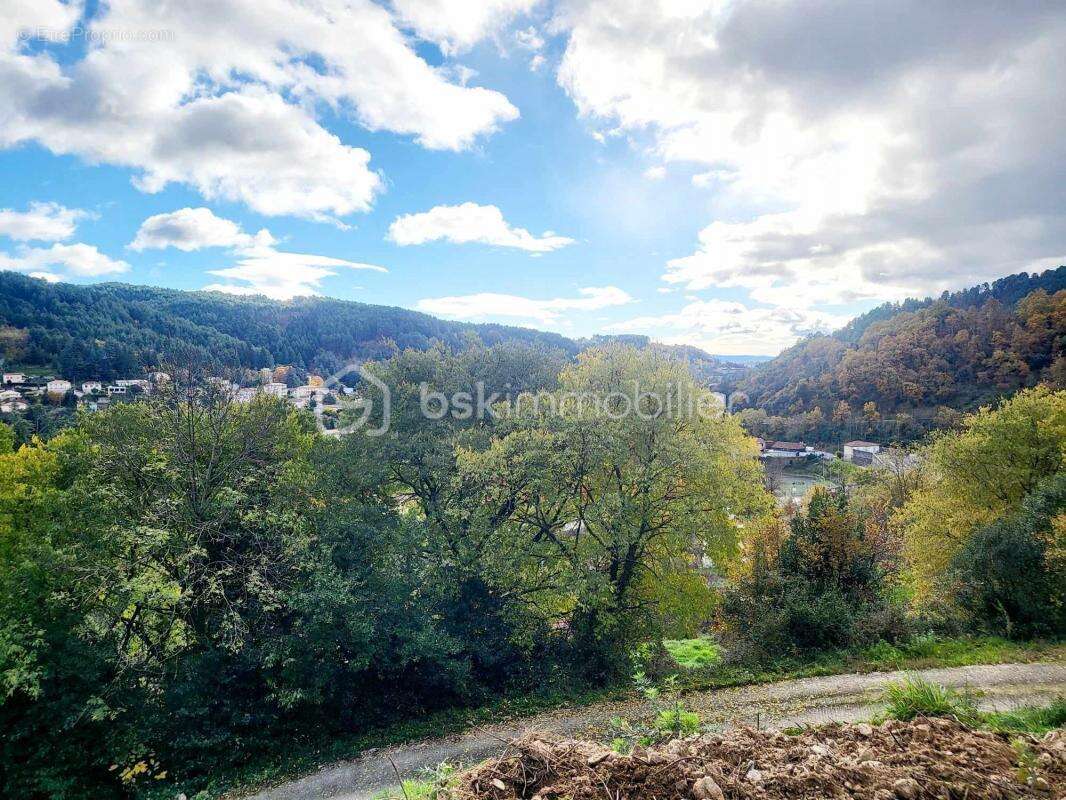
{"x":975,"y":475}
{"x":623,"y":479}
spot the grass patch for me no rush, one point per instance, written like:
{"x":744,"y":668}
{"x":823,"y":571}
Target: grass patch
{"x":694,"y":653}
{"x":433,"y":786}
{"x":913,"y":697}
{"x":1036,"y":720}
{"x":412,"y":790}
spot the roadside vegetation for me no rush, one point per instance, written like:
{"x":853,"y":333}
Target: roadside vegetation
{"x":914,"y":697}
{"x":921,"y":652}
{"x":196,"y":594}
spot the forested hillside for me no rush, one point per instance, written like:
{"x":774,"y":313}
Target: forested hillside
{"x":115,"y":330}
{"x":111,"y":330}
{"x":909,"y":364}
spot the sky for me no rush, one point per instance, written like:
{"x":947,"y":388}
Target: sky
{"x":729,"y":174}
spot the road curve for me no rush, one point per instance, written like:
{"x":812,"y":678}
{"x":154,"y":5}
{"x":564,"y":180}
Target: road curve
{"x":841,"y":698}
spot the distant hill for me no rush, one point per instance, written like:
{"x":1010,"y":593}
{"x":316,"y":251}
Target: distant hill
{"x":114,"y":330}
{"x":748,"y":359}
{"x":957,"y":351}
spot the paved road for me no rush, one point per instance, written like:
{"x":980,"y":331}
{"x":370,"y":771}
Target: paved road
{"x":841,"y":698}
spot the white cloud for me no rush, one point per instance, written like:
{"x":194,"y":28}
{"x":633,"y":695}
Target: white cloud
{"x":855,"y":150}
{"x":732,"y":328}
{"x":655,"y":173}
{"x":190,"y":229}
{"x":280,"y":275}
{"x":223,"y":96}
{"x":260,"y":267}
{"x":80,"y":260}
{"x":508,"y":306}
{"x":47,"y":222}
{"x":531,"y":40}
{"x":468,"y":223}
{"x":457,"y":25}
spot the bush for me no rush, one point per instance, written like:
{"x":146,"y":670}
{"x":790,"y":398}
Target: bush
{"x":1005,"y":577}
{"x":824,"y":591}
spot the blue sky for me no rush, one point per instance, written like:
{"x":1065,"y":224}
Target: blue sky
{"x":587,"y":167}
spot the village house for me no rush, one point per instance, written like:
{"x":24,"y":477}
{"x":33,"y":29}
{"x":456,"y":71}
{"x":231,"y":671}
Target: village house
{"x":130,"y":383}
{"x":860,"y":452}
{"x":275,"y":389}
{"x":94,"y":402}
{"x":115,"y":389}
{"x":785,"y":453}
{"x":14,"y":377}
{"x":58,"y":386}
{"x":11,"y":402}
{"x":90,"y":387}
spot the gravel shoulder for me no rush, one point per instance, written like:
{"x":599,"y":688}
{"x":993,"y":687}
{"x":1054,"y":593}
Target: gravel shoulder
{"x":807,"y":701}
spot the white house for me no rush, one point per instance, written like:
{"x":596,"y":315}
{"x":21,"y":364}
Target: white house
{"x":785,"y":453}
{"x":868,"y":449}
{"x":129,"y":383}
{"x":92,"y":386}
{"x":14,"y":377}
{"x":58,"y":386}
{"x":115,"y":389}
{"x":275,"y":389}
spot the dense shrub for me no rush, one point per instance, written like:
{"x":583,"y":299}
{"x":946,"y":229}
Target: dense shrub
{"x":822,"y":589}
{"x":1009,"y":577}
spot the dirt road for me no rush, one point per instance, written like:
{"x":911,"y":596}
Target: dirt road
{"x":808,"y":701}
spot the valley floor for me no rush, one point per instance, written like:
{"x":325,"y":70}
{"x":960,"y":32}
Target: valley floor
{"x":806,"y":701}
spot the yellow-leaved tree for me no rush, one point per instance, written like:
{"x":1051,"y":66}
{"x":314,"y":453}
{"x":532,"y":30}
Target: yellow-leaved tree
{"x":974,"y":475}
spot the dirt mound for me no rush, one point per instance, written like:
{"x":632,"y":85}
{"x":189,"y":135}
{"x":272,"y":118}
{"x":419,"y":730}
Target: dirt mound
{"x":932,"y":758}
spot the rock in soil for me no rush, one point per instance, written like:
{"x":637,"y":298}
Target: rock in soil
{"x":922,"y":760}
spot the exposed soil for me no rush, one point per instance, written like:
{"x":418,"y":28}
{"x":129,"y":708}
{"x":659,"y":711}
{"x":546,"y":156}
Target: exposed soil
{"x":926,"y":758}
{"x":808,"y":701}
